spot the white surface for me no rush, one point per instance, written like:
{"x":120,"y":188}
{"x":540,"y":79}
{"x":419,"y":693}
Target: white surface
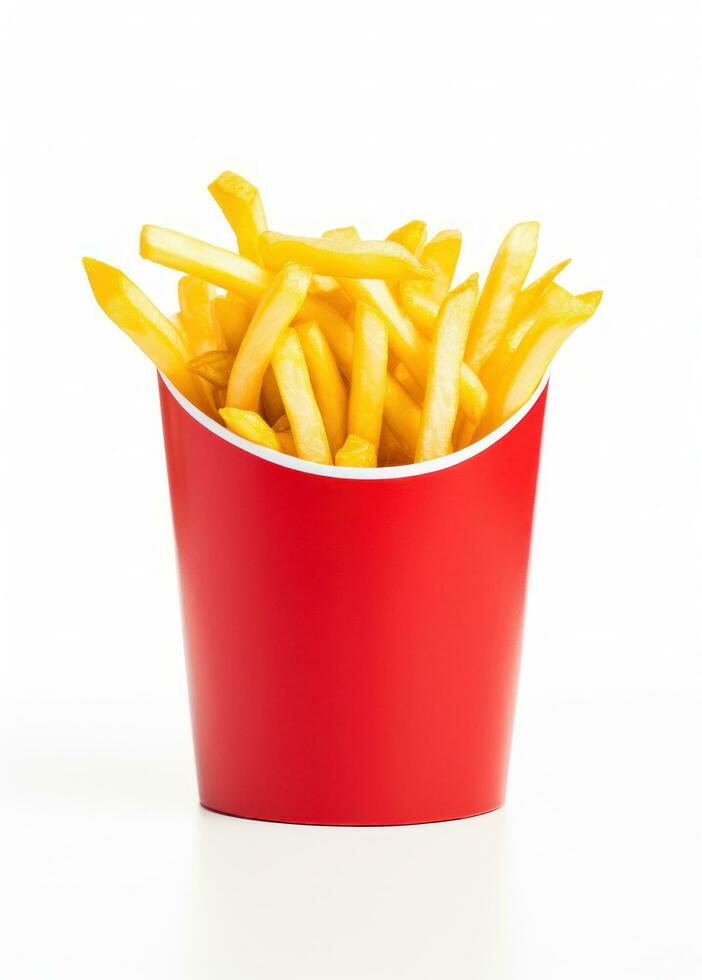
{"x":585,"y":116}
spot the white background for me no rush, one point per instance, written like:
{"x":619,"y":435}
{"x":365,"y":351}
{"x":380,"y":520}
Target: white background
{"x":585,"y":116}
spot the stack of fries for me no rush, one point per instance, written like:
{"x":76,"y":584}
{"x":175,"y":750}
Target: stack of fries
{"x":344,"y":351}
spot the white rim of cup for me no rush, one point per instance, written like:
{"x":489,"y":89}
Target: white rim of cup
{"x":359,"y":472}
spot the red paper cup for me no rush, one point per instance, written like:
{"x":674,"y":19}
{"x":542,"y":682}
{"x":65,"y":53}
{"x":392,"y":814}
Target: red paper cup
{"x":352,"y":635}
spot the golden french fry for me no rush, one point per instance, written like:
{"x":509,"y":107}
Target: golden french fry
{"x":193,"y":336}
{"x":301,"y":407}
{"x":270,"y":396}
{"x":403,"y":337}
{"x":221,"y":267}
{"x":368,"y":374}
{"x":402,"y":415}
{"x":440,"y":255}
{"x":335,"y":327}
{"x":327,"y":284}
{"x":422,"y":300}
{"x":322,"y":285}
{"x":285,"y":437}
{"x":214,"y":366}
{"x":177,"y":321}
{"x":553,"y":302}
{"x":401,"y":412}
{"x":232,"y":315}
{"x":209,"y":262}
{"x":276,"y":310}
{"x":338,"y":300}
{"x":230,"y":271}
{"x":466,"y":434}
{"x":408,"y":383}
{"x":532,"y":293}
{"x":341,"y":257}
{"x":328,"y":289}
{"x":356,"y":452}
{"x":390,"y":451}
{"x":157,"y":336}
{"x":410,"y":346}
{"x":411,"y":236}
{"x":508,"y":271}
{"x":447,"y":352}
{"x":527,"y":365}
{"x":419,"y":306}
{"x":287,"y":443}
{"x":195,"y":297}
{"x":348,"y":233}
{"x":250,"y":425}
{"x":241,"y":204}
{"x":327,"y":383}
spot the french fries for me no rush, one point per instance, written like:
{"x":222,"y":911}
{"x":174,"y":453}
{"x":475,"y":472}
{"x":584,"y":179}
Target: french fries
{"x":400,"y":411}
{"x":421,"y":300}
{"x":241,"y":205}
{"x":326,"y":286}
{"x":285,"y":437}
{"x":465,"y":434}
{"x":277,"y":309}
{"x":327,"y":383}
{"x":408,"y":383}
{"x":342,"y":257}
{"x":232,"y":316}
{"x":216,"y":265}
{"x":390,"y":451}
{"x":214,"y":366}
{"x":340,"y":350}
{"x":348,"y":233}
{"x":410,"y":346}
{"x":552,"y":302}
{"x":290,"y":369}
{"x":411,"y":236}
{"x":270,"y":396}
{"x":402,"y":415}
{"x":532,"y":294}
{"x":356,"y":452}
{"x":250,"y":425}
{"x":499,"y":294}
{"x":370,"y":364}
{"x":532,"y":356}
{"x":447,"y":353}
{"x":156,"y":335}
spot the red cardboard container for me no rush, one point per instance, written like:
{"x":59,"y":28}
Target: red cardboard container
{"x":352,"y":635}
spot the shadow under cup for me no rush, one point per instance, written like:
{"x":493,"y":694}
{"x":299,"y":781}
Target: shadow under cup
{"x":352,"y":636}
